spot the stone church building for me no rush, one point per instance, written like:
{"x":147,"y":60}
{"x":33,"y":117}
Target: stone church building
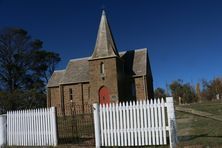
{"x":106,"y":76}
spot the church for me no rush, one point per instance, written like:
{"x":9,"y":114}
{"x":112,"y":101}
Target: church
{"x":106,"y":76}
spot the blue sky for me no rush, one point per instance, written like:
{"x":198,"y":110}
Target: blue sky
{"x":184,"y":37}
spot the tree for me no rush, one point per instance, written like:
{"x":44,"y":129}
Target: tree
{"x":184,"y":91}
{"x":189,"y":94}
{"x":176,"y":89}
{"x":23,"y":61}
{"x":212,"y":89}
{"x":159,"y":93}
{"x":24,"y":68}
{"x":42,"y":66}
{"x":44,"y":63}
{"x":15,"y":45}
{"x":21,"y":100}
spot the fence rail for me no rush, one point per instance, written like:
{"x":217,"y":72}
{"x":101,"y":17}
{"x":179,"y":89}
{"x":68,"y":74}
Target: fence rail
{"x":135,"y":123}
{"x":32,"y":127}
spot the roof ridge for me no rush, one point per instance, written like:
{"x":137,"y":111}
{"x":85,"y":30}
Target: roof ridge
{"x":79,"y":59}
{"x":86,"y":58}
{"x":136,"y":50}
{"x":60,"y":70}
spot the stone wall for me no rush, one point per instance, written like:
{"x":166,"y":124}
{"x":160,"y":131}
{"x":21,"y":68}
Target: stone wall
{"x":76,"y":94}
{"x":139,"y":86}
{"x":54,"y":96}
{"x":85,"y":93}
{"x":80,"y":95}
{"x":109,"y":79}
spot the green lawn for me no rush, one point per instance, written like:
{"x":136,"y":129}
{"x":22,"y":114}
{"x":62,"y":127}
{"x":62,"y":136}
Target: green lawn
{"x":194,"y":129}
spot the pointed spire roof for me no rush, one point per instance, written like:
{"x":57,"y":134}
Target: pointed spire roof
{"x":105,"y":45}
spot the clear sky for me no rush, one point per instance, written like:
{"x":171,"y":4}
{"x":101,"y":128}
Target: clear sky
{"x":184,"y":37}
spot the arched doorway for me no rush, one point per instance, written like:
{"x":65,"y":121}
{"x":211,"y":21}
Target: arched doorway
{"x":104,"y":95}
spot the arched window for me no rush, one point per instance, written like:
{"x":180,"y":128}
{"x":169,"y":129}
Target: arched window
{"x":102,"y":68}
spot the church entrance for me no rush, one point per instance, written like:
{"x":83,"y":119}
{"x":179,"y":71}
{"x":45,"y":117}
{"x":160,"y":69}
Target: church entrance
{"x":104,"y":95}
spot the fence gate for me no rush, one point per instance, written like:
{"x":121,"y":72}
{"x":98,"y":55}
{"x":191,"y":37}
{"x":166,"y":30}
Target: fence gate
{"x":141,"y":123}
{"x":75,"y":125}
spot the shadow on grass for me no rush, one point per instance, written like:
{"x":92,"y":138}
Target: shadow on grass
{"x":192,"y":137}
{"x":76,"y":140}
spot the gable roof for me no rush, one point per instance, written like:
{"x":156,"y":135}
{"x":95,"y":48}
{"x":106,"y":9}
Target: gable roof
{"x":56,"y":78}
{"x":136,"y":63}
{"x":77,"y":70}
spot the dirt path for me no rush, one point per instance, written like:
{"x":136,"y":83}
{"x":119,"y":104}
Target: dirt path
{"x":198,"y":113}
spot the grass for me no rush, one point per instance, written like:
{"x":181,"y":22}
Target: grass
{"x":193,"y":130}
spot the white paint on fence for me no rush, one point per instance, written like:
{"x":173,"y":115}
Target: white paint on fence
{"x":2,"y":130}
{"x":135,"y":123}
{"x":32,"y":127}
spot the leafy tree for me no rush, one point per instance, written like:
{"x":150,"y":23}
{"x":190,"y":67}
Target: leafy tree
{"x":24,"y":68}
{"x":21,"y":100}
{"x":23,"y":61}
{"x":189,"y":94}
{"x":159,"y":93}
{"x":212,"y":89}
{"x":15,"y":45}
{"x":176,"y":89}
{"x":42,"y":67}
{"x":44,"y":63}
{"x":185,"y":91}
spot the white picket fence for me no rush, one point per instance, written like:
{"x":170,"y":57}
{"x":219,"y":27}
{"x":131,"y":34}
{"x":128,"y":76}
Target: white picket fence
{"x":32,"y":127}
{"x":135,"y":123}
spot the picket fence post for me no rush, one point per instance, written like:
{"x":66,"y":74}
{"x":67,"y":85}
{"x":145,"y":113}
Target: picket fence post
{"x":54,"y":126}
{"x":96,"y":124}
{"x":171,"y":122}
{"x":3,"y":120}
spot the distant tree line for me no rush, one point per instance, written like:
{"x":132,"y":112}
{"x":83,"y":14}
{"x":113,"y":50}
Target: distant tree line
{"x":25,"y":68}
{"x":186,"y":93}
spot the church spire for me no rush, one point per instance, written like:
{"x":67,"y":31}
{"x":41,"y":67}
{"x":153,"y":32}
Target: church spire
{"x":105,"y":45}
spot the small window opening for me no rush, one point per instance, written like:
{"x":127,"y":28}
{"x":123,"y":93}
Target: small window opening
{"x":102,"y":68}
{"x":70,"y":95}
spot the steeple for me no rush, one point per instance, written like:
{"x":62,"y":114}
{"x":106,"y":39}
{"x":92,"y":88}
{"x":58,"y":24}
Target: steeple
{"x":105,"y":45}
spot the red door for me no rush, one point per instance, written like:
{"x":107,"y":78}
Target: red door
{"x":104,"y":95}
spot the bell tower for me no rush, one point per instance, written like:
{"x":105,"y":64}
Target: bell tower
{"x":106,"y":69}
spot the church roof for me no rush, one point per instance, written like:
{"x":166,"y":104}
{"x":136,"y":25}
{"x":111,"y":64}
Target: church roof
{"x":77,"y":70}
{"x":136,"y":63}
{"x":105,"y":45}
{"x":56,"y":78}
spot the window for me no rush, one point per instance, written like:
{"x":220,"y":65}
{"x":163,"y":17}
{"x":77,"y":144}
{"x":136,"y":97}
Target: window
{"x":70,"y":94}
{"x":102,"y":68}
